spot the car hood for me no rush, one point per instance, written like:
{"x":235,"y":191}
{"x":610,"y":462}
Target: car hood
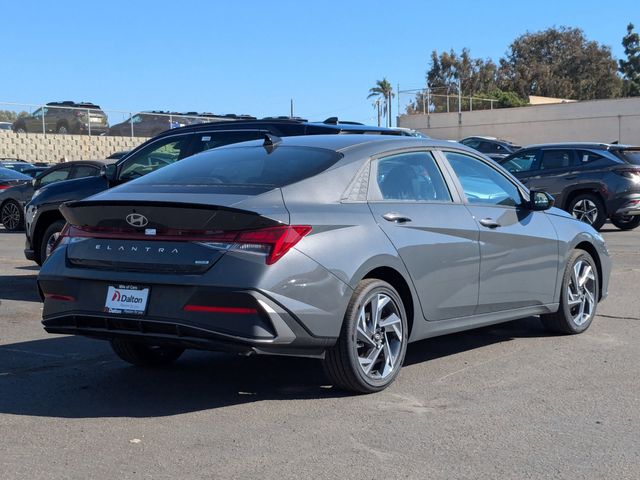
{"x":74,"y":189}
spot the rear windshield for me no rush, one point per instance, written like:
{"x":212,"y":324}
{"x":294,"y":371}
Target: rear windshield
{"x":245,"y":166}
{"x":629,"y":156}
{"x":7,"y":174}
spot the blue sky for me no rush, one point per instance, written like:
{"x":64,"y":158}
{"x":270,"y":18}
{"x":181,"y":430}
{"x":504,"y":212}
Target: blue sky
{"x":253,"y":56}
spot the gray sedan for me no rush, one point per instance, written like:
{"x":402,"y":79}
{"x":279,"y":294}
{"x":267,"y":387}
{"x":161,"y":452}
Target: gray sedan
{"x":341,"y":247}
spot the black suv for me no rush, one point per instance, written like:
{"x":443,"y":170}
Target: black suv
{"x":82,"y":118}
{"x":592,"y":181}
{"x":493,"y":148}
{"x":44,"y":221}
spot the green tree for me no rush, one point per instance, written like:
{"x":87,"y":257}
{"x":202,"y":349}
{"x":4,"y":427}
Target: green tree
{"x":630,"y":68}
{"x":559,"y":62}
{"x":383,"y":92}
{"x":11,"y":116}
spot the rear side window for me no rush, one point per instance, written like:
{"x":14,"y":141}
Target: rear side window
{"x":629,"y":156}
{"x":246,"y":166}
{"x":85,"y":171}
{"x":410,"y":177}
{"x":585,"y":157}
{"x":209,"y":140}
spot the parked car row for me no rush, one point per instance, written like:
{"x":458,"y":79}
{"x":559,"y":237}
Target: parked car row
{"x":86,"y":118}
{"x":592,"y":181}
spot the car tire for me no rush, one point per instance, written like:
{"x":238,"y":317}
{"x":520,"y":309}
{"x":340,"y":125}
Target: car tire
{"x":627,"y":222}
{"x":145,"y":355}
{"x":371,"y":348}
{"x":11,"y":216}
{"x":62,"y":129}
{"x":575,"y":299}
{"x":20,"y":129}
{"x":588,"y":208}
{"x":49,"y":238}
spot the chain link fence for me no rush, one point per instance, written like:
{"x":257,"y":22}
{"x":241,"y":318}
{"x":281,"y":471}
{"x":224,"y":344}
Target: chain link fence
{"x":83,"y":118}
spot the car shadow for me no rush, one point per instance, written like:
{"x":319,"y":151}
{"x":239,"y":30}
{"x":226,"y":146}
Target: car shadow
{"x":75,"y":377}
{"x":19,"y":287}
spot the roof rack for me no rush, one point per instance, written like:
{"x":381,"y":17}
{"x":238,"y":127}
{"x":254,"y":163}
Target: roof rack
{"x":336,"y":121}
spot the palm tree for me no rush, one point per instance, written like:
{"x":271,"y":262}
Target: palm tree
{"x":383,"y":91}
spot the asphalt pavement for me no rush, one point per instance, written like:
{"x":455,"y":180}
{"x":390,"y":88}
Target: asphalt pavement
{"x":508,"y":401}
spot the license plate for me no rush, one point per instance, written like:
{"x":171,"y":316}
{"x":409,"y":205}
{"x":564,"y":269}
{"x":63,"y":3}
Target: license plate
{"x":95,"y":120}
{"x":126,"y":299}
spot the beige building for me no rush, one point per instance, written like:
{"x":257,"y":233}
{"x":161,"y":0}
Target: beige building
{"x":596,"y":120}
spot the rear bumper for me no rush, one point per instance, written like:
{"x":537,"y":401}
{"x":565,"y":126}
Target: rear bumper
{"x":628,"y":204}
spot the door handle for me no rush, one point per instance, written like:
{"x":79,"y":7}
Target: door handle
{"x":395,"y":217}
{"x":489,"y":223}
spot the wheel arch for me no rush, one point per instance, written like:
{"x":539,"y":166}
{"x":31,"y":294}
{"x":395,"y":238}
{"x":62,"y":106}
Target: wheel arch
{"x":44,"y":221}
{"x":572,"y":193}
{"x":591,"y":250}
{"x":394,"y":278}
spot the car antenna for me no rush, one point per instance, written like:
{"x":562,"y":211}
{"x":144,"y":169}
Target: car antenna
{"x":271,"y":142}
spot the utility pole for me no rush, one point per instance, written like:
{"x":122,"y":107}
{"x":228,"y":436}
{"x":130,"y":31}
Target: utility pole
{"x":389,"y":110}
{"x":398,"y":102}
{"x":379,"y":112}
{"x":291,"y":115}
{"x":459,"y":103}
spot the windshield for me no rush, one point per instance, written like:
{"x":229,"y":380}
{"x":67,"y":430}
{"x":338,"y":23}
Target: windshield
{"x":246,"y":166}
{"x":629,"y":156}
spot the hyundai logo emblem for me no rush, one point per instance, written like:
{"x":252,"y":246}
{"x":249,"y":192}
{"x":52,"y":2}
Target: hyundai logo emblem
{"x":137,"y":220}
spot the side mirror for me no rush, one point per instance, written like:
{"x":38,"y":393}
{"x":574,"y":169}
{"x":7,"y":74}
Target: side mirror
{"x":540,"y":201}
{"x":109,"y":172}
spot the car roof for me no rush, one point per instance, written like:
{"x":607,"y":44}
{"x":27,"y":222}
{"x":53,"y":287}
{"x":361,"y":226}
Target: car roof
{"x":592,"y":145}
{"x":266,"y":122}
{"x":342,"y":143}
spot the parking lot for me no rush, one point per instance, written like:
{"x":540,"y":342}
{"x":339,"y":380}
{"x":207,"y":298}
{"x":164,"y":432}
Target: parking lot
{"x":501,"y":402}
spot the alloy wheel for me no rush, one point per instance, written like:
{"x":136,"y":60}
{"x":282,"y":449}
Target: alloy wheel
{"x":379,"y":336}
{"x":586,"y":211}
{"x":10,"y":216}
{"x":581,"y":292}
{"x":51,"y":243}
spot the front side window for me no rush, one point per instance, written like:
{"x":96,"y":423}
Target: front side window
{"x":410,"y":176}
{"x":482,"y":184}
{"x":523,"y":162}
{"x":55,"y":176}
{"x":156,"y":155}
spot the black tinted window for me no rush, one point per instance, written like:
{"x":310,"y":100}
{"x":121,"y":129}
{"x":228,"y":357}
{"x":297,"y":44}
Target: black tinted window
{"x":552,"y":159}
{"x":523,"y":162}
{"x":629,"y":156}
{"x":411,"y":176}
{"x":155,"y":156}
{"x":85,"y":171}
{"x":209,"y":140}
{"x":246,"y":166}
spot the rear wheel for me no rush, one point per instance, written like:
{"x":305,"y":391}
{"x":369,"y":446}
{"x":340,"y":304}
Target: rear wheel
{"x":49,"y":239}
{"x":145,"y":355}
{"x":63,"y":129}
{"x":626,"y":222}
{"x":11,"y":216}
{"x":588,"y":208}
{"x":20,"y":129}
{"x":578,"y":297}
{"x":373,"y":340}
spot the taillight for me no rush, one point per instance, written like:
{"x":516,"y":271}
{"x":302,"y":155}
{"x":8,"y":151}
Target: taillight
{"x":274,"y":242}
{"x":4,"y":187}
{"x":631,"y":173}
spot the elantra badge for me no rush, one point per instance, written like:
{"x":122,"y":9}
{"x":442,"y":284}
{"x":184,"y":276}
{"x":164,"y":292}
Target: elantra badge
{"x":137,"y":220}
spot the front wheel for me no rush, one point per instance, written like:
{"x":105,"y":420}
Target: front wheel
{"x":145,"y":355}
{"x":578,"y":297}
{"x":373,"y":340}
{"x":626,"y":222}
